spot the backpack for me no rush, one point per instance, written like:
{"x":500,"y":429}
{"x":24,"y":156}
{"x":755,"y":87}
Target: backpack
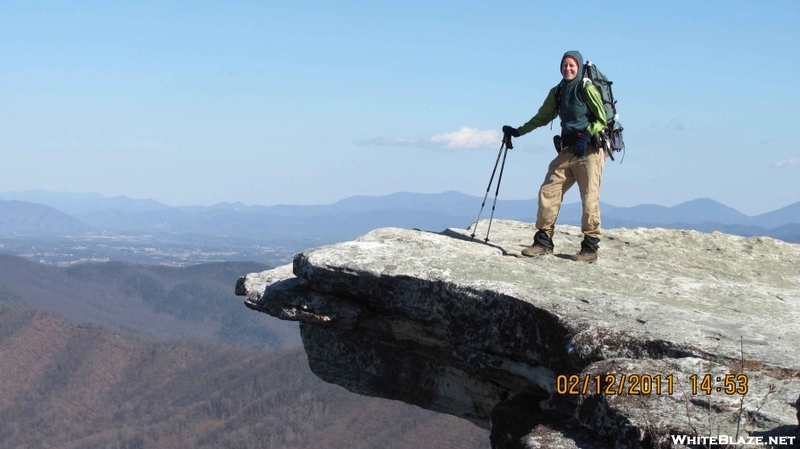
{"x":611,"y":136}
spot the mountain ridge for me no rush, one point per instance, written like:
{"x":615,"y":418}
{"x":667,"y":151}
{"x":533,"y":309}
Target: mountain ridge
{"x":63,"y":201}
{"x":21,"y":216}
{"x":353,"y":216}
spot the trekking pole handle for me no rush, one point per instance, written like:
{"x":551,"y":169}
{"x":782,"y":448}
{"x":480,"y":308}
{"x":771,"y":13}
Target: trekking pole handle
{"x":507,"y":141}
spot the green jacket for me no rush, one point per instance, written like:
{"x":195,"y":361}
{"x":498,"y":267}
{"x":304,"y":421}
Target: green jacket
{"x":549,"y":111}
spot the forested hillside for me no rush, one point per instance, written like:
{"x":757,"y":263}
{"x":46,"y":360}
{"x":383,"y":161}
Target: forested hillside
{"x":83,"y":386}
{"x":195,"y":301}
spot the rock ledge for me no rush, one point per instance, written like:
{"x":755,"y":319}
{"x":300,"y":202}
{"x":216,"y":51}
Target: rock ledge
{"x":474,"y":330}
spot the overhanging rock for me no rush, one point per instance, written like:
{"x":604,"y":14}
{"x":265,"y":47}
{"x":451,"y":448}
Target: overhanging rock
{"x":471,"y":329}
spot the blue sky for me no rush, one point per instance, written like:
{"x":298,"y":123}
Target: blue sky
{"x":311,"y":102}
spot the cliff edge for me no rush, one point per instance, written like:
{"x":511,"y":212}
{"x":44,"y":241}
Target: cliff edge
{"x":670,"y":333}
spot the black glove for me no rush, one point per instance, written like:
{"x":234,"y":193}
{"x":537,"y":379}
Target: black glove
{"x":579,"y":148}
{"x":510,"y":130}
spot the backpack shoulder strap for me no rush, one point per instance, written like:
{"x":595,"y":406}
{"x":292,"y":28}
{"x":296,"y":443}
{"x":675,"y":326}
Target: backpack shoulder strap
{"x":582,"y":95}
{"x":582,"y":92}
{"x":558,"y":102}
{"x":558,"y":94}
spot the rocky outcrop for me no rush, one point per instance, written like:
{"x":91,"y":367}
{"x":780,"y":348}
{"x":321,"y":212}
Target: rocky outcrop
{"x":518,"y":345}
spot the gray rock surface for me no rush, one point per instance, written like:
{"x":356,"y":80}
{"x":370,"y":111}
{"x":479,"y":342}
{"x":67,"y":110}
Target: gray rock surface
{"x":469,"y":328}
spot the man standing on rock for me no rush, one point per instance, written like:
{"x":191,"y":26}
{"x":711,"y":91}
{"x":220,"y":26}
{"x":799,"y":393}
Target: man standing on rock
{"x":577,"y":102}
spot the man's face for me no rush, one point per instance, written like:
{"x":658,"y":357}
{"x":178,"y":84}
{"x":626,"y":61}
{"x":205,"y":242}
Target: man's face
{"x":569,"y":70}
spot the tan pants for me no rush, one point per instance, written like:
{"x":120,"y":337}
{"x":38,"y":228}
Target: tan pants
{"x":563,"y":172}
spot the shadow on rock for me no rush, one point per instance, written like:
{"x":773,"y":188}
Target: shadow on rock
{"x":520,"y":423}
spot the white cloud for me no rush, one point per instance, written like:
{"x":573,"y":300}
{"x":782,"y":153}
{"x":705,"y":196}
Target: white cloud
{"x":465,"y":138}
{"x":468,"y":138}
{"x":792,"y":162}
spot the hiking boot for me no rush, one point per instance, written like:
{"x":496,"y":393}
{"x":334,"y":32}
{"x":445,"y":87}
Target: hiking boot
{"x":536,"y":250}
{"x":585,"y":256}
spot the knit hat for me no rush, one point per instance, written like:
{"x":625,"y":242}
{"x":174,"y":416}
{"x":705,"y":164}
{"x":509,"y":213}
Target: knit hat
{"x":575,"y":56}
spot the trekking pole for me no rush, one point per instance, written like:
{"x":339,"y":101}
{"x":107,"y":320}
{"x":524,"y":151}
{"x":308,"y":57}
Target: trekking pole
{"x":507,"y":143}
{"x":499,"y":178}
{"x":489,"y":187}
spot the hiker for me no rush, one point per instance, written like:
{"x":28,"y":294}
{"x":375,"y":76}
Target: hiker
{"x":580,"y":158}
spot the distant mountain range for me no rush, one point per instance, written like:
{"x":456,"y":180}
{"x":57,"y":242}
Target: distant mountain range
{"x":78,"y":203}
{"x":39,"y":212}
{"x":24,"y":217}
